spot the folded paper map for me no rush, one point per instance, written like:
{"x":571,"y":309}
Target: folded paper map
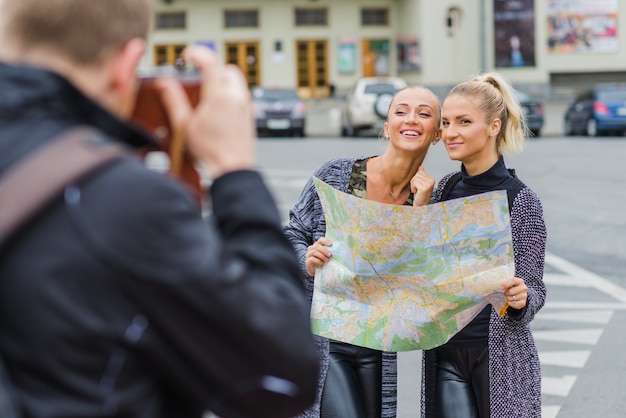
{"x":409,"y":278}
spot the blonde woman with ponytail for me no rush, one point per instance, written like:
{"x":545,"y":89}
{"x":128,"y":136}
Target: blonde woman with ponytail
{"x":490,"y":369}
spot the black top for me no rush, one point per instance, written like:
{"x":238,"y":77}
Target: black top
{"x":496,"y":178}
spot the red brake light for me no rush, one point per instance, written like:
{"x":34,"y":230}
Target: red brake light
{"x":599,"y":107}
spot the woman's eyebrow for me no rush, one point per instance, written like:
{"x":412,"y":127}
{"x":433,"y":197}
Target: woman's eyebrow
{"x":419,"y":105}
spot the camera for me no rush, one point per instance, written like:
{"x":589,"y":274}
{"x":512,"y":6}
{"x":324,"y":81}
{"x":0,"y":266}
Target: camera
{"x":149,"y":112}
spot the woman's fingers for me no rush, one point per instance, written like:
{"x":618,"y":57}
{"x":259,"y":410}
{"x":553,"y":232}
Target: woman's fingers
{"x":516,"y":292}
{"x":317,"y":254}
{"x":422,"y":185}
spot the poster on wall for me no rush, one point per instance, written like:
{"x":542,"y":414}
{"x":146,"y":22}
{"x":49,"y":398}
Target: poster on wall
{"x":582,"y":26}
{"x":346,"y":62}
{"x":514,"y":30}
{"x":409,"y":56}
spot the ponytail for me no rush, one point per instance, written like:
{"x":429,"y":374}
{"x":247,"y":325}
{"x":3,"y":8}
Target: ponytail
{"x":497,"y":100}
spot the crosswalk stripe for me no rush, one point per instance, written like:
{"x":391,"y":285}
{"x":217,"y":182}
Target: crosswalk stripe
{"x":571,"y":358}
{"x":583,"y":305}
{"x":591,"y":317}
{"x":557,"y":386}
{"x":556,"y":279}
{"x":550,"y":411}
{"x":578,"y":336}
{"x":600,"y":283}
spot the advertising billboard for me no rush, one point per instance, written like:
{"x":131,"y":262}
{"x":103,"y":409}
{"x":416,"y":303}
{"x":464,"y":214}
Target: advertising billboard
{"x":582,"y":26}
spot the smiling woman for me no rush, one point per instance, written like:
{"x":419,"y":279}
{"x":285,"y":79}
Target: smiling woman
{"x":279,"y":110}
{"x":493,"y":359}
{"x":358,"y":382}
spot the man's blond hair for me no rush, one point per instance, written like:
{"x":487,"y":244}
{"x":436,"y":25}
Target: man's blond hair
{"x":84,"y":32}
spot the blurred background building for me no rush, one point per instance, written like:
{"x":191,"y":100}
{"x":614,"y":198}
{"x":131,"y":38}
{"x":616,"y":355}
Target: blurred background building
{"x":550,"y":48}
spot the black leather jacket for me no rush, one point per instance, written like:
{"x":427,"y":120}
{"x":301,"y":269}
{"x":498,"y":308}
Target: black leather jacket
{"x":121,"y":301}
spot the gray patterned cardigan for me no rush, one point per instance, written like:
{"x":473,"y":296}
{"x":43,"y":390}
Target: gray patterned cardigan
{"x":306,"y":225}
{"x":514,"y":370}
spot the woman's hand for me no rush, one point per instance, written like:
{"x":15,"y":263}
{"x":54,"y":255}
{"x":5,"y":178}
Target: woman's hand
{"x":317,"y":254}
{"x":516,"y":292}
{"x":422,"y":185}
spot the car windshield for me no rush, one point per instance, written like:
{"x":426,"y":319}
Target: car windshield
{"x":380,"y":88}
{"x":612,"y":96}
{"x":274,"y":95}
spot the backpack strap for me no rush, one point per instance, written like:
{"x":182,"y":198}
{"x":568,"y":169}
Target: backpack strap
{"x":32,"y":183}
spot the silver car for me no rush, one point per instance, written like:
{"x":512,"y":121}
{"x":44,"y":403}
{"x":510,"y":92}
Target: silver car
{"x":367,"y":103}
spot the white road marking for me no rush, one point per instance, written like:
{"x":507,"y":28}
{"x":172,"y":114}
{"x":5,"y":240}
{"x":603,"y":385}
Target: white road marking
{"x":550,"y":411}
{"x":571,"y":358}
{"x":603,"y":285}
{"x":589,"y":336}
{"x":557,"y":386}
{"x":590,"y":317}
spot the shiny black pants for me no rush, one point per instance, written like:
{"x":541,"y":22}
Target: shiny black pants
{"x":353,"y":383}
{"x":463,"y":382}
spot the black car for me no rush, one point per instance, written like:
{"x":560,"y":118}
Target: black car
{"x":599,"y":110}
{"x":279,"y":110}
{"x":533,"y":112}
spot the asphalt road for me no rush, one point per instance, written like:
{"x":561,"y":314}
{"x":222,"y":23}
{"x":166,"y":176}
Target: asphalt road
{"x":582,"y":186}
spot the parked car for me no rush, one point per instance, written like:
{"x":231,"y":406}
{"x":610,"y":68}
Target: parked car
{"x":599,"y":110}
{"x":367,"y":103}
{"x":279,"y":110}
{"x":533,"y":111}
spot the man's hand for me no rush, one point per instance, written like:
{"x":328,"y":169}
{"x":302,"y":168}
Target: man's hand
{"x":220,"y":131}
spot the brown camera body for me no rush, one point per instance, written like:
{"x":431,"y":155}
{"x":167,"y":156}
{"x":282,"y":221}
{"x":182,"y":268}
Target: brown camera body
{"x":150,"y":115}
{"x":149,"y":111}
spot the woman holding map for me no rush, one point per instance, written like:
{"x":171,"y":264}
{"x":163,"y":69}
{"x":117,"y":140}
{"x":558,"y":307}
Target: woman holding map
{"x":358,"y":382}
{"x":491,"y":367}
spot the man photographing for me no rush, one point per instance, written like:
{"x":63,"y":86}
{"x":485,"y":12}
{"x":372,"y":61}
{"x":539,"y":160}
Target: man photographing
{"x":118,"y":299}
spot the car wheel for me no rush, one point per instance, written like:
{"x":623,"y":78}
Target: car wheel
{"x":535,"y":133}
{"x":567,"y":128}
{"x":591,"y":128}
{"x":345,"y":125}
{"x":382,"y":103}
{"x":348,"y":130}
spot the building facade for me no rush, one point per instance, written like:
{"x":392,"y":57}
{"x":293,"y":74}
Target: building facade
{"x":548,"y":47}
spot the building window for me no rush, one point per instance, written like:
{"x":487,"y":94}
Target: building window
{"x":375,"y":17}
{"x":241,"y":19}
{"x":167,"y":54}
{"x":311,"y":17}
{"x":174,"y":20}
